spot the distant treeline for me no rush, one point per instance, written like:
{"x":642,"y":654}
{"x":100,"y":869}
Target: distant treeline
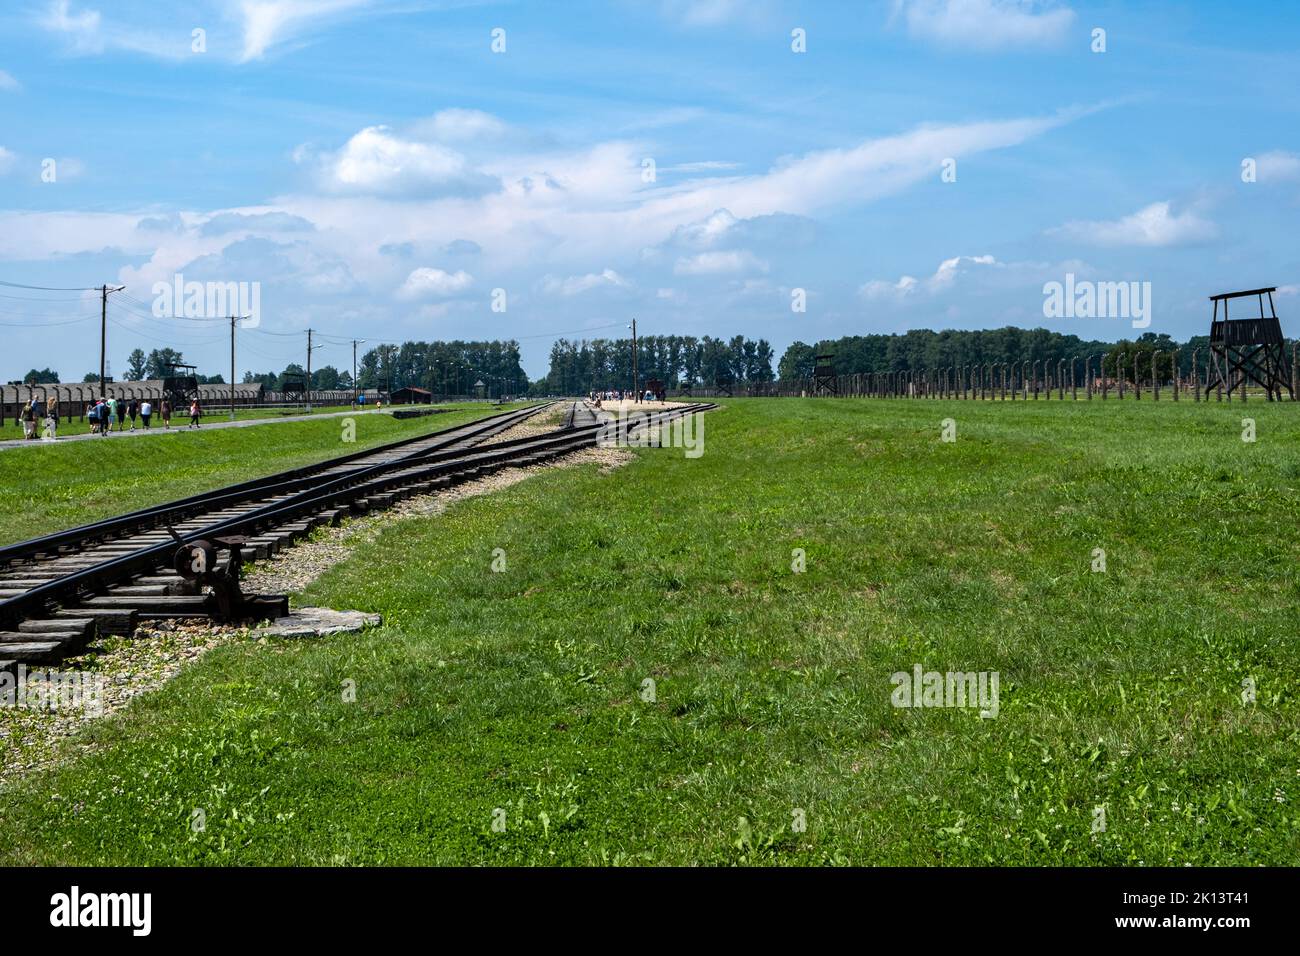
{"x":449,"y":368}
{"x":326,"y":378}
{"x":444,"y":368}
{"x":676,"y":360}
{"x":925,"y":349}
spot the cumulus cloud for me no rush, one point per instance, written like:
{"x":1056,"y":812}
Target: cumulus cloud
{"x":730,"y":262}
{"x":942,"y":279}
{"x":427,"y":282}
{"x":378,"y":160}
{"x":574,"y":222}
{"x":1277,"y":166}
{"x":459,"y":125}
{"x":227,"y":222}
{"x":986,"y":24}
{"x":269,"y":260}
{"x":1155,"y":225}
{"x":576,"y":285}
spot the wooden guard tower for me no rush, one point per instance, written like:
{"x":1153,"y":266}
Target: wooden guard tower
{"x":1252,"y":348}
{"x":824,"y":376}
{"x":181,"y":383}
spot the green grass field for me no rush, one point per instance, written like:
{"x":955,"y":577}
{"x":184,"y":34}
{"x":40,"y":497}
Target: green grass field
{"x":51,"y":486}
{"x":520,"y":696}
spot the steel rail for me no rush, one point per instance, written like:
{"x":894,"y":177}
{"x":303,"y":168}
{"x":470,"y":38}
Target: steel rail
{"x":343,"y":488}
{"x":154,"y":515}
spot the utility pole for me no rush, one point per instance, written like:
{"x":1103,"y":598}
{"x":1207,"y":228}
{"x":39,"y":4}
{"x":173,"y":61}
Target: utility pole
{"x":232,"y":368}
{"x":636,"y":393}
{"x":355,"y":392}
{"x":103,"y":332}
{"x":233,"y":320}
{"x":309,"y":370}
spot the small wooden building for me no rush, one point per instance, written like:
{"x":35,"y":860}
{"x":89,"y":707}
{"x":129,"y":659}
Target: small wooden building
{"x":410,"y":395}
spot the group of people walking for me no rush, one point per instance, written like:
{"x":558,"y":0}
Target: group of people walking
{"x":620,"y":395}
{"x":107,"y":415}
{"x":31,"y":415}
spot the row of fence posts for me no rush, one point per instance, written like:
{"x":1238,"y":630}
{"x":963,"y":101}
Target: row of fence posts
{"x":1030,"y":379}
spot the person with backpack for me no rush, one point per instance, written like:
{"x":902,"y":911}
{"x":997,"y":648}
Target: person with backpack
{"x":146,"y":412}
{"x":132,"y":409}
{"x":29,"y":420}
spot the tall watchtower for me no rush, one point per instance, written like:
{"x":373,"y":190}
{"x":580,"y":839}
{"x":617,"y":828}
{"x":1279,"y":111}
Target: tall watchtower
{"x":824,"y":376}
{"x":181,"y":383}
{"x":1250,"y":348}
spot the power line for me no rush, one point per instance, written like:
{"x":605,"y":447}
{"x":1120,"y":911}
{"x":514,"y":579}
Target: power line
{"x":144,"y":309}
{"x":45,"y":325}
{"x":41,"y":288}
{"x":45,"y":298}
{"x":167,"y":341}
{"x":552,"y":335}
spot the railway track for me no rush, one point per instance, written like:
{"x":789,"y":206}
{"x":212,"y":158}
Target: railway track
{"x":182,"y":559}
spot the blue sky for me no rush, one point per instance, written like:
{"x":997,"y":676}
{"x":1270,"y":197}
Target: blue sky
{"x":380,"y":170}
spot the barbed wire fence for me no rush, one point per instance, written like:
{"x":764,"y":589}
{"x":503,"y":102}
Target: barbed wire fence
{"x":1114,"y":375}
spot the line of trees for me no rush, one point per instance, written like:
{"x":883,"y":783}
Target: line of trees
{"x":445,"y":368}
{"x":676,"y":360}
{"x":926,"y":349}
{"x":157,"y":364}
{"x":326,"y":378}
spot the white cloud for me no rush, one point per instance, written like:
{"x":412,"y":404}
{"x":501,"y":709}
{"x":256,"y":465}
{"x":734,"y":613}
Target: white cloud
{"x":1277,"y":166}
{"x":377,"y":160}
{"x":563,"y":223}
{"x":66,"y":168}
{"x":986,"y":24}
{"x":707,"y":231}
{"x":454,"y":125}
{"x":1153,"y":225}
{"x":568,"y":211}
{"x":267,"y":22}
{"x":87,"y":33}
{"x":881,"y":289}
{"x":706,"y":166}
{"x":943,"y":278}
{"x":719,"y":263}
{"x":575,"y":285}
{"x":8,"y":83}
{"x":947,"y":271}
{"x":426,"y":282}
{"x":7,"y":160}
{"x":82,"y":29}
